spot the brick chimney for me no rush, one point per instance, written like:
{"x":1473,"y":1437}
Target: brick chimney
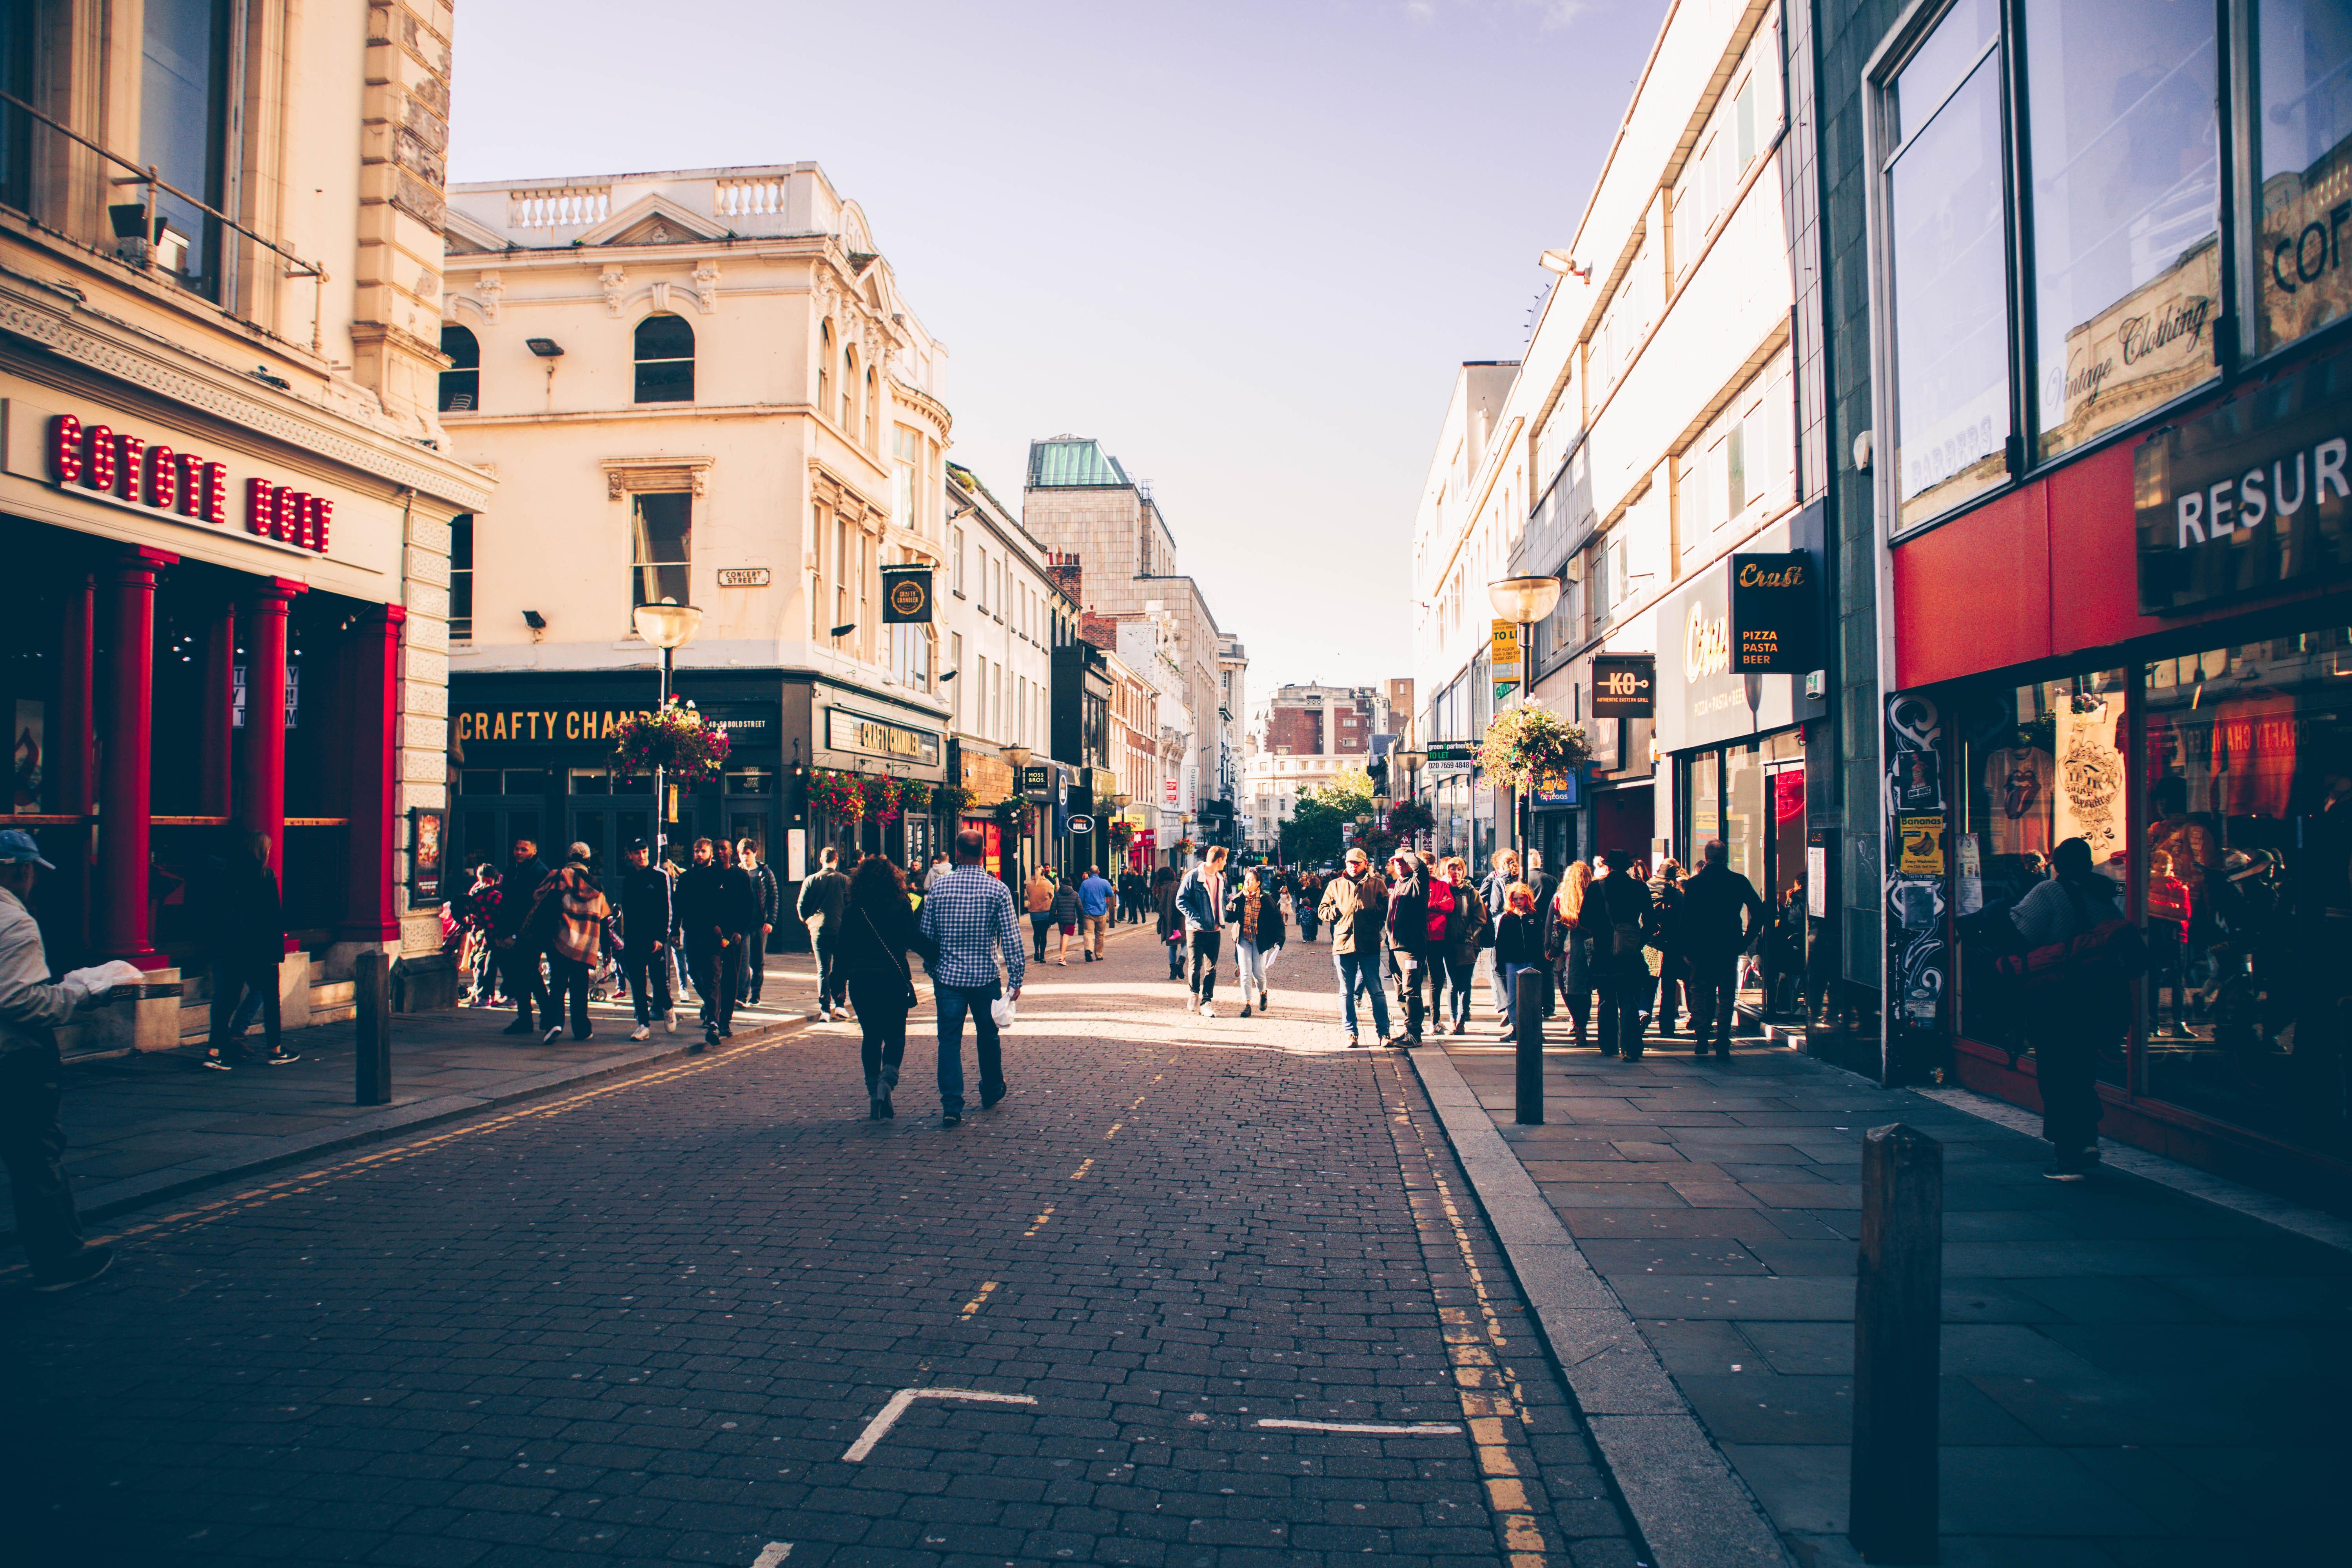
{"x":1100,"y":630}
{"x":1062,"y":566}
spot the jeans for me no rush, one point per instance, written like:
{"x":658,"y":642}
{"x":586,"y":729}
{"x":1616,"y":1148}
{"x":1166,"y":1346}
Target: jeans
{"x":1202,"y":975}
{"x":954,"y":1001}
{"x":1626,"y":991}
{"x":1459,"y":978}
{"x":570,"y":982}
{"x":1575,"y":978}
{"x":1096,"y":928}
{"x":240,"y":990}
{"x":715,"y":972}
{"x":830,"y":989}
{"x":1494,"y":983}
{"x":1714,"y":989}
{"x":755,"y":966}
{"x":1510,"y":974}
{"x":1175,"y":946}
{"x":648,"y":977}
{"x":1041,"y":925}
{"x":1359,"y":971}
{"x":1674,"y":969}
{"x":32,"y":1147}
{"x":525,"y":984}
{"x":1249,"y":968}
{"x":881,"y":1027}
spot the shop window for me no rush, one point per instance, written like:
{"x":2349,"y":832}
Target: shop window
{"x":461,"y":579}
{"x":664,"y":361}
{"x":16,"y":126}
{"x":461,"y":383}
{"x":1946,"y":235}
{"x":2303,"y":155}
{"x":184,"y":98}
{"x":660,"y":529}
{"x":2127,"y":186}
{"x":2039,"y":765}
{"x":907,"y":448}
{"x":2246,"y":866}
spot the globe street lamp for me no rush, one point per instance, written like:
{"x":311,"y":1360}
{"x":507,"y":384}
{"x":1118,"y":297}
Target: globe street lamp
{"x":1525,"y":601}
{"x":668,"y":625}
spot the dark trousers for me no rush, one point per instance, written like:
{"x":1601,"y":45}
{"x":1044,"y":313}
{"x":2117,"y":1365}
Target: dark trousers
{"x":831,"y":989}
{"x":1202,"y":976}
{"x":648,"y":978}
{"x":2065,"y":1063}
{"x":32,"y":1147}
{"x":881,"y":1027}
{"x":1674,"y":965}
{"x":1039,"y":925}
{"x":755,"y":964}
{"x":954,"y":1001}
{"x":571,"y":984}
{"x":1175,"y":956}
{"x":1624,"y":984}
{"x":525,"y":984}
{"x":1459,"y":978}
{"x":239,"y":988}
{"x":1411,"y":969}
{"x":1714,"y":992}
{"x":716,"y":972}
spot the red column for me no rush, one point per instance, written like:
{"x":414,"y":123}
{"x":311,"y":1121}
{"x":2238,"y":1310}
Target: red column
{"x":373,"y":731}
{"x":214,"y":783}
{"x":130,"y":727}
{"x":264,"y":715}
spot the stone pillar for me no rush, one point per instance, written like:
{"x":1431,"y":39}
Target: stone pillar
{"x":264,"y":715}
{"x":404,"y":143}
{"x":374,"y":730}
{"x":130,"y":733}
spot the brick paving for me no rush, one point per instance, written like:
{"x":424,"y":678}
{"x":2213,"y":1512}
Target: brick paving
{"x":643,"y":1321}
{"x":2132,"y":1377}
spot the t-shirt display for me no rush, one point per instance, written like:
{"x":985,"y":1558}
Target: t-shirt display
{"x":2091,"y":774}
{"x":2017,"y":780}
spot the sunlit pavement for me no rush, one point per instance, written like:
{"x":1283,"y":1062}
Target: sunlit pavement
{"x":650,"y":1319}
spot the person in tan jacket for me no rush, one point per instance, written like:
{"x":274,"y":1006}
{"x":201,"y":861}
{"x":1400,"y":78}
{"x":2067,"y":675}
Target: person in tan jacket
{"x":1037,"y":897}
{"x":1354,"y":906}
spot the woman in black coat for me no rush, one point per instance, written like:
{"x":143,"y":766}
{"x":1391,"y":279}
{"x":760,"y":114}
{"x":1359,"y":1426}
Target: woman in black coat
{"x":878,"y":929}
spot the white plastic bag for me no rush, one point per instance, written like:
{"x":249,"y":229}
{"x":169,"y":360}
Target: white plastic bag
{"x":1002,"y":1011}
{"x":1265,"y":959}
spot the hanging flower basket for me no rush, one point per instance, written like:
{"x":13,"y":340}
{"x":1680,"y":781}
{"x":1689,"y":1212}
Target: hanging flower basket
{"x":1408,"y":817}
{"x":839,"y":796}
{"x":950,"y":800}
{"x":674,"y":738}
{"x":914,"y":797}
{"x":881,"y":798}
{"x":1527,"y":743}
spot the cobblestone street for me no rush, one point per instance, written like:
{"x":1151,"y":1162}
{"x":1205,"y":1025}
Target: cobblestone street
{"x":651,"y":1320}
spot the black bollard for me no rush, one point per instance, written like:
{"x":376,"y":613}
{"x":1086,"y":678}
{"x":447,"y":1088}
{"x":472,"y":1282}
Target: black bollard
{"x":1898,"y":1311}
{"x":1527,"y":1008}
{"x":373,"y":992}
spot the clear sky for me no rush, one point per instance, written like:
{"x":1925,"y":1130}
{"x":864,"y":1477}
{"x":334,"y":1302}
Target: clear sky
{"x":1243,"y":245}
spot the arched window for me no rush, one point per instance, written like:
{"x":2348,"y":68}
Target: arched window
{"x":871,"y":403}
{"x":461,"y":383}
{"x":665,"y":360}
{"x":825,"y":367}
{"x":848,"y":389}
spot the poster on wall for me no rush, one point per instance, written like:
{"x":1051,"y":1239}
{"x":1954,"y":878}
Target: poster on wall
{"x":2089,"y":794}
{"x":1923,"y":845}
{"x":31,"y":752}
{"x":425,"y":847}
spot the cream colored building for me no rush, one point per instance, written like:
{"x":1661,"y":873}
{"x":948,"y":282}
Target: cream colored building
{"x":1304,"y":736}
{"x":704,"y":386}
{"x":226,"y":481}
{"x":1647,"y":431}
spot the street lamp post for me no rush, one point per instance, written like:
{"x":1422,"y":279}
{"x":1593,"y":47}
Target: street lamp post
{"x":668,"y":625}
{"x":1408,"y":763}
{"x":1524,"y":600}
{"x":1018,"y":755}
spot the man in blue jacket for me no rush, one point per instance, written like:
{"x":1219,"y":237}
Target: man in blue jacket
{"x":1094,"y":904}
{"x":1202,"y":901}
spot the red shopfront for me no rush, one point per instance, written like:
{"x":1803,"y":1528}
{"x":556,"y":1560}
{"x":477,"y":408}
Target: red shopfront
{"x":2085,"y":656}
{"x":195,"y":651}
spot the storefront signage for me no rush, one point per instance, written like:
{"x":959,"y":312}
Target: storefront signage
{"x":425,"y":840}
{"x":2253,"y":498}
{"x":1704,"y":696}
{"x":742,"y":577}
{"x":130,"y":470}
{"x":1558,"y":791}
{"x":1082,"y":826}
{"x":1037,"y":779}
{"x":1624,"y":685}
{"x":1168,"y":792}
{"x":906,"y":594}
{"x":543,"y":724}
{"x":1775,"y":614}
{"x":1503,"y":647}
{"x":1452,"y":752}
{"x":869,"y":736}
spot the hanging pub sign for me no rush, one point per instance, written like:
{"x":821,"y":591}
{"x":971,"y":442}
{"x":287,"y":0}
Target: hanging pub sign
{"x":906,"y":594}
{"x":1624,"y":685}
{"x":2254,"y":497}
{"x":1775,"y":614}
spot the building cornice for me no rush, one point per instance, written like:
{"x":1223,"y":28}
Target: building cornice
{"x":89,"y":338}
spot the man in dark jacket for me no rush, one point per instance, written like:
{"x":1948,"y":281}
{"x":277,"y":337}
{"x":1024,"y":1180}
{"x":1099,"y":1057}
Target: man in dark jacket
{"x":769,"y":893}
{"x":1545,"y":887}
{"x":719,"y":909}
{"x":1721,"y":918}
{"x":518,"y":955}
{"x":248,"y":934}
{"x":1620,"y":971}
{"x":646,"y":917}
{"x":1407,"y":921}
{"x":822,"y":901}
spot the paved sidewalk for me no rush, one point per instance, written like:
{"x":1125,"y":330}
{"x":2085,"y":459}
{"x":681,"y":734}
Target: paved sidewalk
{"x":2131,"y":1375}
{"x":143,"y":1127}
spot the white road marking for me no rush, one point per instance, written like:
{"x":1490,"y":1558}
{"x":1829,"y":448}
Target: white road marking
{"x":1408,"y":1429}
{"x":772,"y":1554}
{"x":880,"y":1428}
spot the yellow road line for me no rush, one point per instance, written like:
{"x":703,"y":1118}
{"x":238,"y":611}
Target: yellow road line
{"x":987,"y":1288}
{"x":1039,"y":1223}
{"x":1082,"y":1170}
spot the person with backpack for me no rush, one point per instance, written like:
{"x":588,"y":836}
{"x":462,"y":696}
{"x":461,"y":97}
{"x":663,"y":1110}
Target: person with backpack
{"x":2079,"y":1003}
{"x":567,"y":924}
{"x":1622,"y":901}
{"x":1721,"y":916}
{"x":819,"y":908}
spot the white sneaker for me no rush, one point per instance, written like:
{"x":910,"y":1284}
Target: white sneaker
{"x":550,"y":1038}
{"x":1191,"y":1004}
{"x":642,"y":1032}
{"x":670,"y":1021}
{"x":1208,"y":1009}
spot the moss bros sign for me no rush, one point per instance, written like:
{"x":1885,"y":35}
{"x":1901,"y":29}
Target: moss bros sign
{"x":2254,"y":497}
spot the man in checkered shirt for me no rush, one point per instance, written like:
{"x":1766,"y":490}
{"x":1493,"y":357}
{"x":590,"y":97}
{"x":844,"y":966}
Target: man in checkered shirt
{"x":970,"y":914}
